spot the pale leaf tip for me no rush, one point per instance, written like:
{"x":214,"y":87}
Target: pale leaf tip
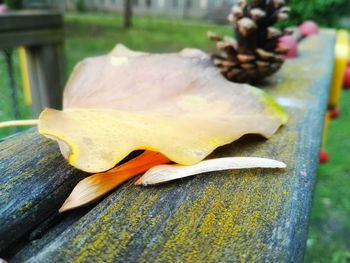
{"x":67,"y":205}
{"x":139,"y":181}
{"x":279,"y":165}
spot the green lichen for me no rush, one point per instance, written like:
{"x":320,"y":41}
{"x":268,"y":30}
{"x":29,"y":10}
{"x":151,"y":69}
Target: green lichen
{"x":273,"y":106}
{"x":27,"y":205}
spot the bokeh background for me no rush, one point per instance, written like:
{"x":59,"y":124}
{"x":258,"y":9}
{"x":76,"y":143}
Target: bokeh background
{"x":93,"y":27}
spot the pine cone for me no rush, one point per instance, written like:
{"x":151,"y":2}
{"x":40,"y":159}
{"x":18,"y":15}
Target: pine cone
{"x":254,"y":53}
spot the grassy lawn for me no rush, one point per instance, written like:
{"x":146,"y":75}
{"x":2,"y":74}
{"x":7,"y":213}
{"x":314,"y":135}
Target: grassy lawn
{"x":96,"y":34}
{"x":87,"y":35}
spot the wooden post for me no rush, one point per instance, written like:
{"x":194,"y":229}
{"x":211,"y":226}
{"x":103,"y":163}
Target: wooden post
{"x":127,"y":13}
{"x":41,"y":35}
{"x":11,"y":80}
{"x":46,"y":75}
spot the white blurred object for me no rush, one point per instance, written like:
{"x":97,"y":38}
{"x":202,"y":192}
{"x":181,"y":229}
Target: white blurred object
{"x":3,"y":9}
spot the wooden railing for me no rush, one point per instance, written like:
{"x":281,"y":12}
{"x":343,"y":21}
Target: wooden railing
{"x":227,"y":216}
{"x":41,"y":35}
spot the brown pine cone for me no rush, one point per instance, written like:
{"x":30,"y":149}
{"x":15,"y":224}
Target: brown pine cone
{"x":254,"y":53}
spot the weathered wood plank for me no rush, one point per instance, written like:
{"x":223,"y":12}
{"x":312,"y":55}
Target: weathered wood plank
{"x":46,"y":76}
{"x":34,"y":181}
{"x":251,"y":216}
{"x":29,"y":20}
{"x":28,"y":28}
{"x":38,"y":37}
{"x":42,"y":35}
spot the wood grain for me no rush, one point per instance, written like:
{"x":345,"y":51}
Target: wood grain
{"x":229,"y":216}
{"x":34,"y":181}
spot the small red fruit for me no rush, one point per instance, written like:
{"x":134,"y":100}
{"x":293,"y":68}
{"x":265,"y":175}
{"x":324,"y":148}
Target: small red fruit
{"x":308,"y":28}
{"x":3,"y":9}
{"x":334,"y":113}
{"x":346,"y":82}
{"x":323,"y":156}
{"x":290,"y":43}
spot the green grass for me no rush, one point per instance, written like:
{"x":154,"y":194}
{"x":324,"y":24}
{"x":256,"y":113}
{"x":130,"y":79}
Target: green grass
{"x":94,"y":34}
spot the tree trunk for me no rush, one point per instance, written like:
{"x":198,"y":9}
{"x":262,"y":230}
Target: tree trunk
{"x":127,"y":13}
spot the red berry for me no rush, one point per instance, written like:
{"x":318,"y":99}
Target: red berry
{"x":308,"y":28}
{"x":290,"y":43}
{"x":334,"y":113}
{"x":323,"y":156}
{"x":346,"y":82}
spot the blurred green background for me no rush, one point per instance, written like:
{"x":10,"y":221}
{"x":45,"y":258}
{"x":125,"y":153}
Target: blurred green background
{"x":89,"y":34}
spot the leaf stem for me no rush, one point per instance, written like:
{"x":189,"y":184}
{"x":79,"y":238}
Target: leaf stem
{"x":6,"y":124}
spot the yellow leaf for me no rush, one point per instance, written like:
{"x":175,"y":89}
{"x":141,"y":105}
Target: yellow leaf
{"x":176,"y":104}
